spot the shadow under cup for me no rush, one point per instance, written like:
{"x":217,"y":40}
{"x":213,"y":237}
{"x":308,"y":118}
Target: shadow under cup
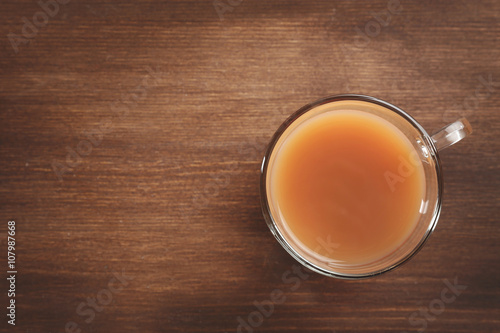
{"x":426,"y":151}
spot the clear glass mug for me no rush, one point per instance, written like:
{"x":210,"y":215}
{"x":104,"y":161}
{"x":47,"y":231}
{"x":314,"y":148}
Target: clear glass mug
{"x":427,"y":147}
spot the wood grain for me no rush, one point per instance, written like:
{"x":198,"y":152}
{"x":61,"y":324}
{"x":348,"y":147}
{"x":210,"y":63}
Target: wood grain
{"x":179,"y":105}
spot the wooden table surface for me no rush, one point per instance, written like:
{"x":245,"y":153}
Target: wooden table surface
{"x":131,"y":141}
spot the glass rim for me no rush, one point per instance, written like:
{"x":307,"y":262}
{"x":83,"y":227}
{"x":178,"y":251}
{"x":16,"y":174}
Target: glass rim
{"x":266,"y":209}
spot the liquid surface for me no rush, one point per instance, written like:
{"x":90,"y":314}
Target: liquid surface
{"x":348,"y":186}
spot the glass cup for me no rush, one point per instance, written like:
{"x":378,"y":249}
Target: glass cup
{"x":426,"y":146}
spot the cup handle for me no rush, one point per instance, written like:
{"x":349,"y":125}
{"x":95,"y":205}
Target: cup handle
{"x":451,"y":134}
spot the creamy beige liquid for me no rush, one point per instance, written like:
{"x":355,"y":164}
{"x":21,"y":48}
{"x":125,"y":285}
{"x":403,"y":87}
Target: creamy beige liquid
{"x":331,"y":184}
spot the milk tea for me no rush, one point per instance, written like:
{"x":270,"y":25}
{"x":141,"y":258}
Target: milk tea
{"x":338,"y":185}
